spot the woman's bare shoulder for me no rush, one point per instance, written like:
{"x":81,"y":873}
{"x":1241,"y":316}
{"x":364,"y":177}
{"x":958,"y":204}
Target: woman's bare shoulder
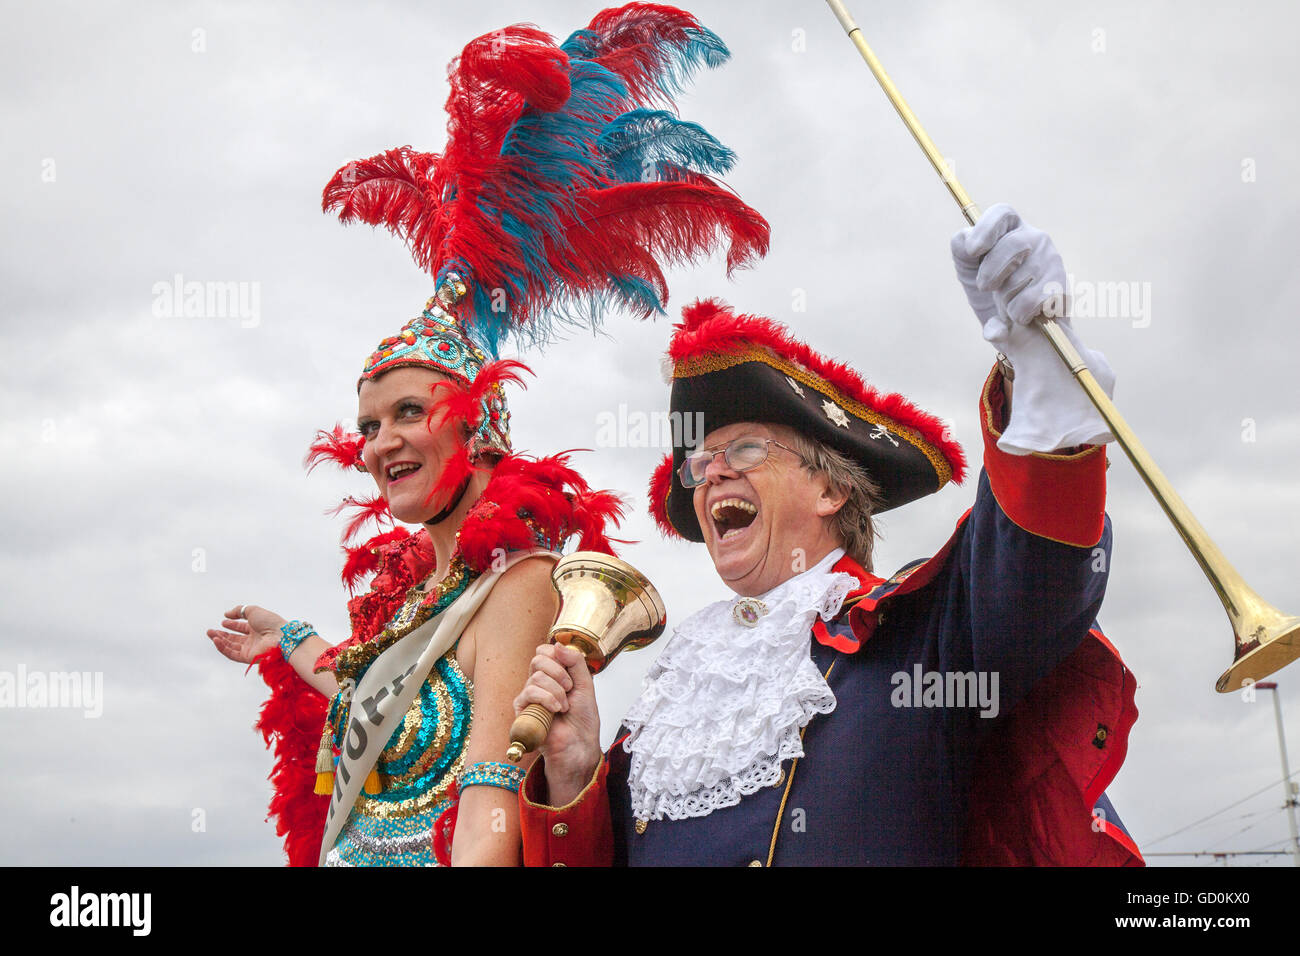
{"x":516,"y":616}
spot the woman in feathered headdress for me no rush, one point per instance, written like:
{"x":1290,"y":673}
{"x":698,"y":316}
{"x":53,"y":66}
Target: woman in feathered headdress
{"x":561,"y":192}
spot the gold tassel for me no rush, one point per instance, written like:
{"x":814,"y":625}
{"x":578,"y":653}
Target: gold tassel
{"x":325,"y":762}
{"x":373,"y":784}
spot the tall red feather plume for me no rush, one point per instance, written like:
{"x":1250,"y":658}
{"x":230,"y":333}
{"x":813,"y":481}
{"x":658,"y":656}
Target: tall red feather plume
{"x":634,"y":41}
{"x":522,"y":199}
{"x":402,"y":189}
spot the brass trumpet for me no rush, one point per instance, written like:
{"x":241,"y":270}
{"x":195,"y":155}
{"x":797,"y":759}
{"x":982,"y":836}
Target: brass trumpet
{"x":1266,"y":639}
{"x":606,"y":606}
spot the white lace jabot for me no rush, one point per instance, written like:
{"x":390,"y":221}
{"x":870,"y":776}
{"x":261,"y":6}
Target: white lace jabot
{"x":723,"y":705}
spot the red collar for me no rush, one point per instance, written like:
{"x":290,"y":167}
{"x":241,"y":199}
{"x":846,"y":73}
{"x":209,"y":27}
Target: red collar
{"x":866,"y":580}
{"x":862,"y":604}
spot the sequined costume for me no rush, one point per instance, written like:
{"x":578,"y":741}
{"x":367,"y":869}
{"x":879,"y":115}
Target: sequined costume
{"x":419,"y":766}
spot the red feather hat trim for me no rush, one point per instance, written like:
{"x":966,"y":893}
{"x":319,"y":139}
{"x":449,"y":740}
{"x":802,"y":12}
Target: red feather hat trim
{"x":729,"y":368}
{"x":661,"y":483}
{"x":709,"y":327}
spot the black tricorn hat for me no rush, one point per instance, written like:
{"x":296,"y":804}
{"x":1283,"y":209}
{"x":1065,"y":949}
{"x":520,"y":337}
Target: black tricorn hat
{"x":731,"y":368}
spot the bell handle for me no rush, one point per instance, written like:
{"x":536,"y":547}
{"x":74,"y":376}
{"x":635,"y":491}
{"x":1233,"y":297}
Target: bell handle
{"x":528,"y":731}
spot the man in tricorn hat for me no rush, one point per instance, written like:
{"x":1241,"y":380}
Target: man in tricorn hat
{"x":965,"y":710}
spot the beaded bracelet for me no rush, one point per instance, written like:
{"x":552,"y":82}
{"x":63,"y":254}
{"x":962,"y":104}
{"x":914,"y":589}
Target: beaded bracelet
{"x":293,"y":634}
{"x":492,"y":773}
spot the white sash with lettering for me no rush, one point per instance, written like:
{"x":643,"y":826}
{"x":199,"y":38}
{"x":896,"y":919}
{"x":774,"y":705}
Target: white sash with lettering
{"x":389,"y":687}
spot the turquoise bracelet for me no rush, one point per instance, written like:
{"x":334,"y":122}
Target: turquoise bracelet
{"x":293,"y":634}
{"x":492,"y":773}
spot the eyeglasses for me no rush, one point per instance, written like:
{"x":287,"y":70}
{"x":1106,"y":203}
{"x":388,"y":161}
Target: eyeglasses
{"x":741,"y":454}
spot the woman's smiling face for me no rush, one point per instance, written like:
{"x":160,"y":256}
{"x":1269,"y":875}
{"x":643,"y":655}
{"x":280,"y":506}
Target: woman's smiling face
{"x":404,"y":452}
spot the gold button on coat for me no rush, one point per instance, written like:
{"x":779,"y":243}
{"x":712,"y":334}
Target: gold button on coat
{"x":641,"y":825}
{"x":560,"y":829}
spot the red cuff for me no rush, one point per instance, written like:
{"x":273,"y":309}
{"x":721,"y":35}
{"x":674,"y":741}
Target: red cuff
{"x":579,"y":834}
{"x":1056,"y":496}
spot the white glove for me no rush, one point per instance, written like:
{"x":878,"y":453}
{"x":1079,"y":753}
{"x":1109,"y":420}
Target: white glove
{"x":1012,"y":273}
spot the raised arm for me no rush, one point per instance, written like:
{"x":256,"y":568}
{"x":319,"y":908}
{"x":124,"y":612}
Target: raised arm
{"x":1037,"y":550}
{"x":1035,"y":557}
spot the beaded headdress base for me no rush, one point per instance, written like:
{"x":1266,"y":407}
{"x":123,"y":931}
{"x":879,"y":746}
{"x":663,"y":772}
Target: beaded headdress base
{"x":436,"y":339}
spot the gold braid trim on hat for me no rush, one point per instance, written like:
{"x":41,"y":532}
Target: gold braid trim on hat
{"x":694,"y":365}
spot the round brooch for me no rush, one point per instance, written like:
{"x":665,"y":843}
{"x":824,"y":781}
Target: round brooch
{"x":747,"y":611}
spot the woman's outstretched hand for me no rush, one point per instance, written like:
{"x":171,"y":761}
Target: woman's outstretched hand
{"x":250,"y":631}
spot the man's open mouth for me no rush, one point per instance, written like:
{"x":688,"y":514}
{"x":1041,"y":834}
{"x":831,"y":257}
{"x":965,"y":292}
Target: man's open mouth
{"x":732,"y":515}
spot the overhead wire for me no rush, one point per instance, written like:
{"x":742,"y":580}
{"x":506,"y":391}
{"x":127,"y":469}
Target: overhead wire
{"x":1250,"y":826}
{"x":1221,"y":810}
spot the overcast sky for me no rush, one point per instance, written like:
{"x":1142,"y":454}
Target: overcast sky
{"x":154,"y":474}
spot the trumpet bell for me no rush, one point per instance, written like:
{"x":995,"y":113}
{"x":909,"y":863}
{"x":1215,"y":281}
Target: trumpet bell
{"x":1266,"y":642}
{"x":606,"y":606}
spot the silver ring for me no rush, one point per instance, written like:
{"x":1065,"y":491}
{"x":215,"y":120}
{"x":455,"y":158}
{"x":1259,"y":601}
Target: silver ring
{"x":243,"y":608}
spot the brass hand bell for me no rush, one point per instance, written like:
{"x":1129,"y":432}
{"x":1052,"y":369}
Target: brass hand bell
{"x":606,"y":606}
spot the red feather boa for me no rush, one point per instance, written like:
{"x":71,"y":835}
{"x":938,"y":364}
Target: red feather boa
{"x":530,"y":499}
{"x":294,"y":715}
